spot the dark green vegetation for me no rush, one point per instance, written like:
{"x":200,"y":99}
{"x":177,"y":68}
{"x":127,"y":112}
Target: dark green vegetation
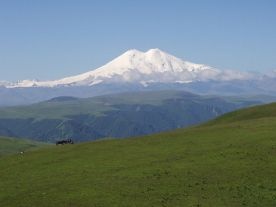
{"x":122,"y":115}
{"x":12,"y":145}
{"x":228,"y":162}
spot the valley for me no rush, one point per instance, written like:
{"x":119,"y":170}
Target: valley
{"x":117,"y":115}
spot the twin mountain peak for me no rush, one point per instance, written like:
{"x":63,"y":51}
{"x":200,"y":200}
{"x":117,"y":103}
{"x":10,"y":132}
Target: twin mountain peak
{"x":134,"y":66}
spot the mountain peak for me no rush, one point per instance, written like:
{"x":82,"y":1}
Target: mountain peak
{"x":134,"y":66}
{"x":132,"y":51}
{"x":155,"y":50}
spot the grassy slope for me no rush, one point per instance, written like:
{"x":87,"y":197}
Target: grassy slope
{"x":225,"y":163}
{"x":251,"y":113}
{"x":12,"y":145}
{"x":57,"y":109}
{"x":97,"y":106}
{"x":119,"y":115}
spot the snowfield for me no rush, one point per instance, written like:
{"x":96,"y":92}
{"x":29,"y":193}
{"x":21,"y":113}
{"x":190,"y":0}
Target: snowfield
{"x":134,"y":66}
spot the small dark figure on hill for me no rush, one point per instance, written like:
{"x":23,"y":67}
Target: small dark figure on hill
{"x":64,"y":141}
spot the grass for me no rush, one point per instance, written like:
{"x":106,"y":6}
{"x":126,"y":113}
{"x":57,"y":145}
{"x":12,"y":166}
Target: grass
{"x":12,"y":145}
{"x":97,"y":106}
{"x":226,"y":163}
{"x":251,"y":113}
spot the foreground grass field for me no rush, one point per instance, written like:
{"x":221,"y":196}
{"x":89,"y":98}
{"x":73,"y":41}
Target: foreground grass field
{"x":228,"y":162}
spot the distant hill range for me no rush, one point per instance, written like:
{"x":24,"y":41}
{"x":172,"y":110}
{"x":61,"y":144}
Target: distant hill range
{"x":117,"y":116}
{"x":141,"y":71}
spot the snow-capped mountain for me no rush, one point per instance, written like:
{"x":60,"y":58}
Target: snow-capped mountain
{"x":141,"y":71}
{"x":152,"y":66}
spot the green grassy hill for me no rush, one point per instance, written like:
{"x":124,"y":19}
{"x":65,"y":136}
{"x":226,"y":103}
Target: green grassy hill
{"x":12,"y":145}
{"x":229,"y":162}
{"x":252,"y":113}
{"x":120,"y":115}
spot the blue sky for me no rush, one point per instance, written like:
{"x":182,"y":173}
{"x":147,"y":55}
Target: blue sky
{"x":56,"y":38}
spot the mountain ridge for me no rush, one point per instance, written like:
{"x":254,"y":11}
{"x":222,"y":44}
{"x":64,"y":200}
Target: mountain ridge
{"x":134,"y":66}
{"x":118,"y":115}
{"x":135,"y":71}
